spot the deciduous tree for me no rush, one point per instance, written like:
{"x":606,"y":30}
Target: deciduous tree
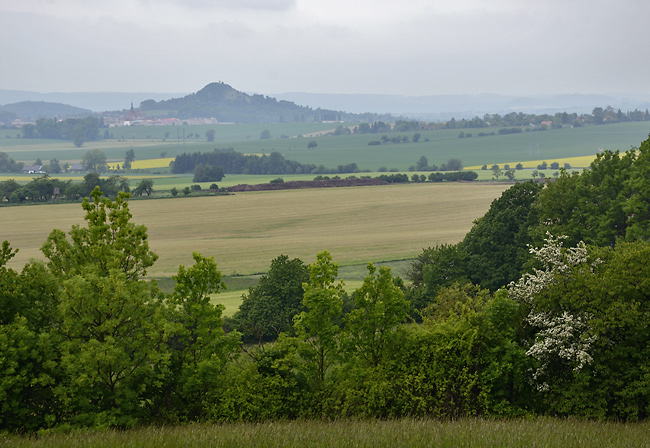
{"x":317,"y":327}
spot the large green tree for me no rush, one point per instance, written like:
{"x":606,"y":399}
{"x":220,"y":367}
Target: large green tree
{"x":198,"y":346}
{"x":497,"y":243}
{"x":380,"y":309}
{"x":111,"y":320}
{"x":94,"y":160}
{"x":269,"y":307}
{"x":317,"y":327}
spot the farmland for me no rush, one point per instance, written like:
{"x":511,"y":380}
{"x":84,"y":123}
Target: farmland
{"x":244,"y":232}
{"x":291,"y":141}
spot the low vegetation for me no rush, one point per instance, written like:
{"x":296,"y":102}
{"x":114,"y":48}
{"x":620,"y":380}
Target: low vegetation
{"x":539,"y":432}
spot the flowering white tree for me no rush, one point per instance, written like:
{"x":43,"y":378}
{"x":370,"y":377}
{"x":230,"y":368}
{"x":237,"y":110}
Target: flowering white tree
{"x":562,"y":335}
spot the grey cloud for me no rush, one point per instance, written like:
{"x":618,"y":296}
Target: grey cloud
{"x":272,"y":5}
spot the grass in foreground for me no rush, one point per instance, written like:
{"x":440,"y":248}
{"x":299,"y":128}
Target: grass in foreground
{"x":537,"y":432}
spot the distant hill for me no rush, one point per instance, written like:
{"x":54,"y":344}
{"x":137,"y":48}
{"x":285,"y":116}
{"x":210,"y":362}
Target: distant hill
{"x":221,"y":101}
{"x":95,"y":101}
{"x":33,"y":110}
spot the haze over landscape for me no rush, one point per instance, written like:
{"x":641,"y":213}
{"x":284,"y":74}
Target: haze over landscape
{"x":416,"y":48}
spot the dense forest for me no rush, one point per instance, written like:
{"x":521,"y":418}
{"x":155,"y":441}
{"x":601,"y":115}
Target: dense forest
{"x":543,"y":308}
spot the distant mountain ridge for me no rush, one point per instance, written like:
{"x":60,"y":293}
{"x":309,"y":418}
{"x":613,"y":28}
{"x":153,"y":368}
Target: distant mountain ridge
{"x":221,"y":101}
{"x":33,"y":110}
{"x":94,"y":101}
{"x":425,"y":108}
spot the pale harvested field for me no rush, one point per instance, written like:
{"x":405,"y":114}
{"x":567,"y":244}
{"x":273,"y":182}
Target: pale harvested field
{"x":244,"y":232}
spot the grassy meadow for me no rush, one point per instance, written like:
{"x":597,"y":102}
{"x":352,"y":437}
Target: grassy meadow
{"x":538,"y":432}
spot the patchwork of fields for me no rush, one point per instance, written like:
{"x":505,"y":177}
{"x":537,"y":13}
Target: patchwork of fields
{"x":289,"y":139}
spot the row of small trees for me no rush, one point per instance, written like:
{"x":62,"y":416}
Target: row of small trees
{"x":46,"y":188}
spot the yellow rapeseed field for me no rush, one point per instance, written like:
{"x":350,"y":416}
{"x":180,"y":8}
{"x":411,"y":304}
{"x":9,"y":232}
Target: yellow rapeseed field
{"x":575,"y":162}
{"x":144,"y":164}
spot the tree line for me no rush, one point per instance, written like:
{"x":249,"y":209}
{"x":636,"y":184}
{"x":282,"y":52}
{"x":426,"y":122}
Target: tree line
{"x":543,"y":308}
{"x":233,"y":162}
{"x":78,"y":130}
{"x":46,"y":188}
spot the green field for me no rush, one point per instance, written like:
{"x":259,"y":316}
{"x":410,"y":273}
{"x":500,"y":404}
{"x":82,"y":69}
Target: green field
{"x":341,"y":150}
{"x":538,"y":432}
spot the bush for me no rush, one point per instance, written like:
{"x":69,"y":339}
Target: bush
{"x":207,"y":173}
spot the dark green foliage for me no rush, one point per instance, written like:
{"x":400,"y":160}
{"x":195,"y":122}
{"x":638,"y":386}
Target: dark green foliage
{"x":496,"y":244}
{"x":145,"y":186}
{"x":453,"y":176}
{"x":607,"y":203}
{"x":207,"y":173}
{"x":128,"y":159}
{"x":435,"y":268}
{"x":9,"y":165}
{"x":42,"y":189}
{"x":492,"y":254}
{"x":75,"y":129}
{"x":394,"y":178}
{"x":233,"y":162}
{"x":28,"y":372}
{"x":268,"y":309}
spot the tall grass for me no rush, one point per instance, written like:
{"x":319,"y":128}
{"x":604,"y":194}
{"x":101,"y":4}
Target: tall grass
{"x":538,"y":432}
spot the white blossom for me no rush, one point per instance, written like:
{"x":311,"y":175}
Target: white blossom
{"x":561,"y":335}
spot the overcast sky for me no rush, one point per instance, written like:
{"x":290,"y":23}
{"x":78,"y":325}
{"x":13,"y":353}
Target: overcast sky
{"x":406,"y":47}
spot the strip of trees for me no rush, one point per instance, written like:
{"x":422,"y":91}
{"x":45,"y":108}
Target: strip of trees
{"x":79,"y":130}
{"x":233,"y":162}
{"x":46,"y":188}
